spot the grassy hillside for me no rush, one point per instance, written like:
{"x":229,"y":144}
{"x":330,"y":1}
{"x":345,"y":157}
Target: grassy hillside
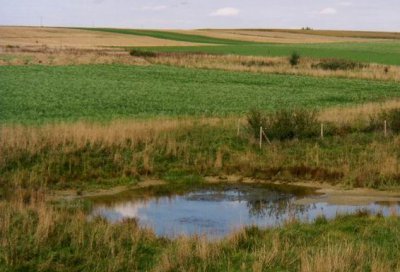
{"x":35,"y":94}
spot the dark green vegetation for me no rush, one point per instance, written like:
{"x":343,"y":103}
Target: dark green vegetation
{"x":294,"y":59}
{"x":35,"y":237}
{"x":285,"y":124}
{"x":39,"y":94}
{"x":335,"y":64}
{"x":392,"y":118}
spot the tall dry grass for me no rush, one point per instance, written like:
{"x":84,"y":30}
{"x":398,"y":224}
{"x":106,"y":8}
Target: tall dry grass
{"x":90,"y":153}
{"x":276,"y":65}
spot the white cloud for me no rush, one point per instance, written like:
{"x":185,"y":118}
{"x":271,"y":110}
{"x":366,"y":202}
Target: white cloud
{"x":328,"y":11}
{"x":225,"y":12}
{"x":154,"y":8}
{"x":345,"y":4}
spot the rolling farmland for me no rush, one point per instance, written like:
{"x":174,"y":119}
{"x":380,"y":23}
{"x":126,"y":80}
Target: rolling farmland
{"x":102,"y":129}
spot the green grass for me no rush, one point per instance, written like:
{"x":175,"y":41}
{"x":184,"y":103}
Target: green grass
{"x":169,"y":35}
{"x":38,"y":94}
{"x":379,"y":52}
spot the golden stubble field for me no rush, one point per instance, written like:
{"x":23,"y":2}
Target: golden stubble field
{"x":76,"y":38}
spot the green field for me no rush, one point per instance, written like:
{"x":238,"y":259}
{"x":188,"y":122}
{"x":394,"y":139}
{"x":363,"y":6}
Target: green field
{"x":387,"y":52}
{"x":37,"y":94}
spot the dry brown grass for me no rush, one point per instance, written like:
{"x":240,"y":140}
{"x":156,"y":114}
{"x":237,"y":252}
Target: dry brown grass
{"x":76,"y":38}
{"x":32,"y":139}
{"x":360,"y":112}
{"x":43,"y":55}
{"x":277,"y":65}
{"x":275,"y":36}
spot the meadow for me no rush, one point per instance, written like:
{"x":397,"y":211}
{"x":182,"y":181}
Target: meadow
{"x":40,"y":94}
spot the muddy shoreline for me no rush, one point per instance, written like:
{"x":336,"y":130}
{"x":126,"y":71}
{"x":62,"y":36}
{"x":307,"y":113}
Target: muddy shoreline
{"x":330,"y":194}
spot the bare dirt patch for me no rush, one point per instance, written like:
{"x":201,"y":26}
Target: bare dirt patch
{"x":331,"y":194}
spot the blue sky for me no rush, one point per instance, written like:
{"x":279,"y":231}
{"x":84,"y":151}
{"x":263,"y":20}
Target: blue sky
{"x":187,"y":14}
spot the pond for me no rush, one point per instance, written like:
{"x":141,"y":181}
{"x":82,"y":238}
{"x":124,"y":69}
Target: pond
{"x":216,"y":211}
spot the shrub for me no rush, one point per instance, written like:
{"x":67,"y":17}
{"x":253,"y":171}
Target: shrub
{"x":294,"y":59}
{"x":140,"y":53}
{"x":255,"y":120}
{"x":392,"y":117}
{"x":285,"y":124}
{"x":386,"y":69}
{"x":336,"y":64}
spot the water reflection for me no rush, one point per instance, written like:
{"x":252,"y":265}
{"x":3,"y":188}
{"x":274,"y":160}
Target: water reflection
{"x":216,"y":212}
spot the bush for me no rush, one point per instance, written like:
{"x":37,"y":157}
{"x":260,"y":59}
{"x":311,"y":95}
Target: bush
{"x":255,"y":120}
{"x":294,"y":59}
{"x":336,"y":64}
{"x":140,"y":53}
{"x":392,"y":117}
{"x":285,"y":124}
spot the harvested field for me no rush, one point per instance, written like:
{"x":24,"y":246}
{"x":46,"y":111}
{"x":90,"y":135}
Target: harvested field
{"x":44,"y":55}
{"x":64,"y":37}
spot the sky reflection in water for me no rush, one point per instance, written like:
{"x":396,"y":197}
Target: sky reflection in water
{"x":219,"y":212}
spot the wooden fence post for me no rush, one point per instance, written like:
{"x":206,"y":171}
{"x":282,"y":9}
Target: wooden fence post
{"x":322,"y":130}
{"x":385,"y":128}
{"x":238,"y":128}
{"x":261,"y":137}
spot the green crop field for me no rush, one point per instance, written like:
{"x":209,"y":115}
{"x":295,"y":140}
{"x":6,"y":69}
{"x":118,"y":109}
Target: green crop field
{"x":37,"y":94}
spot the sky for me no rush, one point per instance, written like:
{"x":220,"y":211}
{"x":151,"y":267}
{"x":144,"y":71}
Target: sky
{"x":381,"y":15}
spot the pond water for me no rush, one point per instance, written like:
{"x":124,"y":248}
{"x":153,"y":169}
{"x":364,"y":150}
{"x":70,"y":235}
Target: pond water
{"x":217,"y":211}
